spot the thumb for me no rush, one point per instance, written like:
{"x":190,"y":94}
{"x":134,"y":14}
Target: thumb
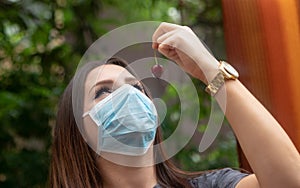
{"x":167,"y":51}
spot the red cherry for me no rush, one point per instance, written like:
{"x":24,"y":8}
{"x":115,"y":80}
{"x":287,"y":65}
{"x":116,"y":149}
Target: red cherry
{"x":157,"y":70}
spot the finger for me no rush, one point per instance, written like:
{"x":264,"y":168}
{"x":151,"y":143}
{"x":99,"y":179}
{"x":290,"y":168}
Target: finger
{"x":165,"y":36}
{"x":174,"y":57}
{"x":162,"y":28}
{"x":164,"y":49}
{"x":155,"y":45}
{"x":168,"y":50}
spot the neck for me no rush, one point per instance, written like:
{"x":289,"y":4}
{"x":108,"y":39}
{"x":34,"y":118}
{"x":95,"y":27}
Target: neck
{"x":114,"y":175}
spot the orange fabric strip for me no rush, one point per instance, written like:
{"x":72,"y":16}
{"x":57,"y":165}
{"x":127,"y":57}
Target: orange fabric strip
{"x":263,"y":42}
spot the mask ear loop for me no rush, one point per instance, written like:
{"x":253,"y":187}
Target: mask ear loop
{"x":85,"y":114}
{"x":99,"y":140}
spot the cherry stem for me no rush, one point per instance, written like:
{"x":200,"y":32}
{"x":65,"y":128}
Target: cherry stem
{"x":155,"y":58}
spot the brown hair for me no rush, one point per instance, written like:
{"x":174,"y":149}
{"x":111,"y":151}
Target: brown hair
{"x":73,"y":162}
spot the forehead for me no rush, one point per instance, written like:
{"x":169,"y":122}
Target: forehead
{"x":107,"y":72}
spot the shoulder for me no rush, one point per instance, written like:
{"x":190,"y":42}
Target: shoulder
{"x":223,"y":178}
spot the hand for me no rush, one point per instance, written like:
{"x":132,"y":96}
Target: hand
{"x":180,"y":44}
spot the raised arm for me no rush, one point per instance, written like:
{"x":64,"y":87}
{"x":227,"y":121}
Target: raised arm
{"x":270,"y":152}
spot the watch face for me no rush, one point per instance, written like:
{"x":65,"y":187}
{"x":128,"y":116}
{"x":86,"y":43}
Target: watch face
{"x":230,"y":69}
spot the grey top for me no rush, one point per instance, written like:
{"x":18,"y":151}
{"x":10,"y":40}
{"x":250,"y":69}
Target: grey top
{"x":224,"y":178}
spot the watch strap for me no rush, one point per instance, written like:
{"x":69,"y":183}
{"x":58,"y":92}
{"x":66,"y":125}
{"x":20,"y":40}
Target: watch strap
{"x":214,"y":86}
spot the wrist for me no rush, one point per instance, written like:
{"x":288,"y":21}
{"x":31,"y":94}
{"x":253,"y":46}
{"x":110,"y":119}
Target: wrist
{"x":210,"y":70}
{"x":210,"y":75}
{"x":224,"y":72}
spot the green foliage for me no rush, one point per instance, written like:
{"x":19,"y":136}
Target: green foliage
{"x":41,"y":42}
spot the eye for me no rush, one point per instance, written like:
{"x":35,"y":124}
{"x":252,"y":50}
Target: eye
{"x":101,"y":91}
{"x":139,"y":87}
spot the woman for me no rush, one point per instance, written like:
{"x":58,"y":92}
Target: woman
{"x":271,"y":154}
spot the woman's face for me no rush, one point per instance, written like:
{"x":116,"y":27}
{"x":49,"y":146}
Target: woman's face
{"x":100,"y":82}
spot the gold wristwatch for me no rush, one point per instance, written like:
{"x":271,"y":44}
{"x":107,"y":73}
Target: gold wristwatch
{"x":226,"y":72}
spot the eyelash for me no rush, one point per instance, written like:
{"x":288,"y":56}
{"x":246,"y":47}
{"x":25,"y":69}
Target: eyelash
{"x":104,"y":89}
{"x":101,"y":91}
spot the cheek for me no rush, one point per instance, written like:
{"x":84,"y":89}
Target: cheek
{"x":91,"y":130}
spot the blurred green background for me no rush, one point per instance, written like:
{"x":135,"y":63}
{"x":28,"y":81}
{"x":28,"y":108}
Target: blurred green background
{"x":41,"y":43}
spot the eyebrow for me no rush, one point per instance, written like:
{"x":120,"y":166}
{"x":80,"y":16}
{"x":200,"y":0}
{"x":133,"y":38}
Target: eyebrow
{"x":110,"y":81}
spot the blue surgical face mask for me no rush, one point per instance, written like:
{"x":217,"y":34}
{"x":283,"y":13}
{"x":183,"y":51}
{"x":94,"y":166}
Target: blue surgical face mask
{"x":126,"y":120}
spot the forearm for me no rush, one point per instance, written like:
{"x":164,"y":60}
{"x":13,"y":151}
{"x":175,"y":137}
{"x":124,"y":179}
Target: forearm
{"x":270,"y":152}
